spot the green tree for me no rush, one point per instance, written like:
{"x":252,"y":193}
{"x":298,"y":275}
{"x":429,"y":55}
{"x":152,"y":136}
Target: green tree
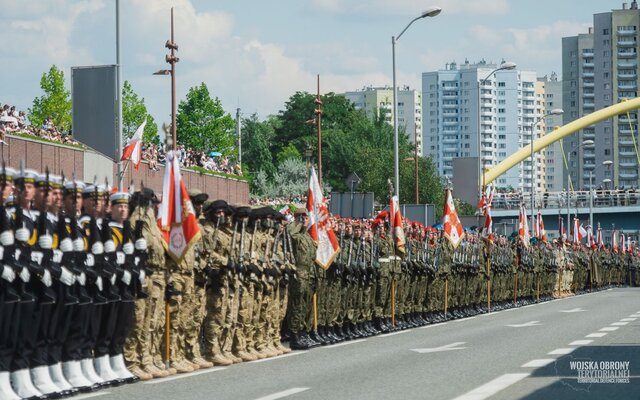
{"x":287,"y":153}
{"x":203,"y":125}
{"x":256,"y":139}
{"x":134,"y":112}
{"x":54,"y":103}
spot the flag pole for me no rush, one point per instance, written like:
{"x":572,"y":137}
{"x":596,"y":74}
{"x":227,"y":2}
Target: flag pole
{"x":446,"y":296}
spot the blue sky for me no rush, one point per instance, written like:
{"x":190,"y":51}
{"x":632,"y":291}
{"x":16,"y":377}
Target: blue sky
{"x":255,"y":54}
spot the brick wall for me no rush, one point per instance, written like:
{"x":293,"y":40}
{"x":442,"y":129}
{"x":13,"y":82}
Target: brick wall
{"x":38,"y":155}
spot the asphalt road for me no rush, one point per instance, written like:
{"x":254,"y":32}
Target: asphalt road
{"x":523,"y":353}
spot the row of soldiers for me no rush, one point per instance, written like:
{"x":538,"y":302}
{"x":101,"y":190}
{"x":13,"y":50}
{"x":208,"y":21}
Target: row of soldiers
{"x":73,"y":264}
{"x":376,"y":286}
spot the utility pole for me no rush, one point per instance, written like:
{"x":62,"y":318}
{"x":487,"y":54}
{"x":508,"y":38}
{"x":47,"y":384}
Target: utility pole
{"x":239,"y":135}
{"x":318,"y":114}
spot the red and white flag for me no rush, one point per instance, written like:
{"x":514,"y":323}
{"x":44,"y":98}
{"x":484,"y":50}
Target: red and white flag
{"x":323,"y":235}
{"x":614,"y":241}
{"x":623,"y":243}
{"x":591,"y":242}
{"x":561,"y":231}
{"x":541,"y":234}
{"x":176,"y":217}
{"x":579,"y":232}
{"x":396,"y":223}
{"x":523,"y":226}
{"x":451,"y":223}
{"x":485,"y":207}
{"x":487,"y":198}
{"x":133,"y":149}
{"x":599,"y":239}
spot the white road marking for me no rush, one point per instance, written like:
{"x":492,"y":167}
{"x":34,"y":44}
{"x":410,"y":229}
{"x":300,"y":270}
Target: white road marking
{"x":344,"y":343}
{"x":466,"y":319}
{"x":181,"y":376}
{"x":394,"y":333}
{"x":446,"y":347}
{"x":90,"y":395}
{"x":573,"y":310}
{"x":282,"y":394}
{"x":598,"y":334}
{"x":619,"y":324}
{"x":562,"y":351}
{"x":580,"y":342}
{"x":628,"y":319}
{"x":492,"y":387}
{"x":542,"y":362}
{"x":434,"y":325}
{"x":526,"y":324}
{"x":610,"y":328}
{"x":293,"y":353}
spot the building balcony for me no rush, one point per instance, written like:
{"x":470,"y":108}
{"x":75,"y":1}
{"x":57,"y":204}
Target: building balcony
{"x":450,"y":123}
{"x":626,"y":42}
{"x":449,"y":95}
{"x":588,"y":104}
{"x":624,"y":130}
{"x":628,"y":175}
{"x":625,"y":120}
{"x":588,"y":84}
{"x":628,"y":75}
{"x":588,"y":64}
{"x":627,"y":153}
{"x":588,"y":155}
{"x":586,"y":53}
{"x":627,"y":86}
{"x":627,"y":63}
{"x":449,"y":106}
{"x":588,"y":74}
{"x":589,"y":95}
{"x":627,"y":164}
{"x":627,"y":54}
{"x":450,"y":140}
{"x":626,"y":32}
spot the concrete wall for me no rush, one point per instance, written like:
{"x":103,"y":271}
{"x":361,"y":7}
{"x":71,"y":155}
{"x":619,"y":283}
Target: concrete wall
{"x":87,"y":164}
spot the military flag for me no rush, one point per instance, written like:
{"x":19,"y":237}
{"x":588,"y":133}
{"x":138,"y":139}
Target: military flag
{"x":561,"y":232}
{"x":579,"y":232}
{"x":328,"y":247}
{"x":485,"y":206}
{"x":600,"y":240}
{"x":133,"y":149}
{"x":591,"y":242}
{"x":523,"y":226}
{"x":614,"y":240}
{"x":396,"y":223}
{"x":541,"y":234}
{"x":176,"y":216}
{"x":451,"y":223}
{"x":623,"y":243}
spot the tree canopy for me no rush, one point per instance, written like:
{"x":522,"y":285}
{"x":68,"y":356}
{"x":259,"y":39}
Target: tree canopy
{"x":54,"y":103}
{"x":203,"y":125}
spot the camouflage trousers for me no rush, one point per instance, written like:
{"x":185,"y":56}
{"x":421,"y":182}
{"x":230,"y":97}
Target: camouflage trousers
{"x":179,"y":308}
{"x":217,"y":326}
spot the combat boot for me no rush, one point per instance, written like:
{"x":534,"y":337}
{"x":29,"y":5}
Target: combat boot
{"x":143,"y":376}
{"x":202,"y":363}
{"x":246,"y":356}
{"x":315,"y":337}
{"x":191,"y":364}
{"x":155,"y":371}
{"x":219,"y":359}
{"x":180,"y":367}
{"x":282,"y":348}
{"x":258,"y":354}
{"x":232,"y":357}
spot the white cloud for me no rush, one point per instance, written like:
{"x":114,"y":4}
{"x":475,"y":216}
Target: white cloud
{"x":410,"y":7}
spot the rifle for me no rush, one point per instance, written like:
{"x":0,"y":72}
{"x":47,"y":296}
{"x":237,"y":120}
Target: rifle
{"x":251,"y":267}
{"x":290,"y":264}
{"x":231,"y":263}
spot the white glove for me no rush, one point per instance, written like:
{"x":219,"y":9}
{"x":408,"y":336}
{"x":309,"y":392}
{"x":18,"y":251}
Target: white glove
{"x":82,"y":279}
{"x":67,"y":277}
{"x":45,"y":241}
{"x":142,"y":276}
{"x":113,"y":279}
{"x":46,"y":278}
{"x":97,"y":248}
{"x":109,"y":246}
{"x":25,"y":275}
{"x":141,"y":244}
{"x":127,"y":248}
{"x":66,"y":245}
{"x":78,"y":244}
{"x":126,"y":277}
{"x":99,"y":283}
{"x":6,"y":238}
{"x":22,"y":234}
{"x":90,"y":261}
{"x":8,"y":274}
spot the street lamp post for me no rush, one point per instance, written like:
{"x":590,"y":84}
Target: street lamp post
{"x":555,"y":111}
{"x":505,"y":66}
{"x":585,"y":143}
{"x":607,"y":163}
{"x":171,"y":59}
{"x":430,"y":12}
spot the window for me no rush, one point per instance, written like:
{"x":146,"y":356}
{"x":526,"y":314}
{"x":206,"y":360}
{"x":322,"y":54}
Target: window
{"x":606,"y":42}
{"x":501,"y":84}
{"x":607,"y":152}
{"x":605,"y":31}
{"x":606,"y":74}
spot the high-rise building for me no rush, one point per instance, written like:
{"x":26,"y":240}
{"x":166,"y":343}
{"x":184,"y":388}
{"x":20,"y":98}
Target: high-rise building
{"x":553,"y":158}
{"x":373,"y":100}
{"x":600,"y":69}
{"x":503,"y":109}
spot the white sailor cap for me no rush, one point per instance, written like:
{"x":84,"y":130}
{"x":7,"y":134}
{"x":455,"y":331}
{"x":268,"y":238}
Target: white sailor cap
{"x":120,"y":198}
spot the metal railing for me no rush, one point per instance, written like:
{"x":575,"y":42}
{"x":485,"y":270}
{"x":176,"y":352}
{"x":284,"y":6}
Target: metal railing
{"x":577,"y":199}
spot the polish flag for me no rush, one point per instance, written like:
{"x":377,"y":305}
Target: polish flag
{"x":176,"y":216}
{"x":523,"y":227}
{"x":590,"y":239}
{"x":133,"y":149}
{"x":623,"y":247}
{"x":452,"y":226}
{"x":614,"y":241}
{"x":561,"y":228}
{"x":485,"y":206}
{"x":599,"y":239}
{"x":396,"y":219}
{"x":322,"y":234}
